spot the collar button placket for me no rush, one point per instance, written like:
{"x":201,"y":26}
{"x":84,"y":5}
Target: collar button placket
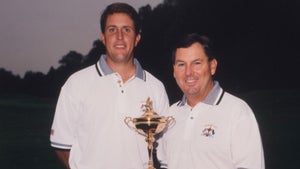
{"x":119,"y":82}
{"x":191,"y":114}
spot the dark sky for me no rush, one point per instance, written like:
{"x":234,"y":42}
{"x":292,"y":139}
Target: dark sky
{"x":35,"y":34}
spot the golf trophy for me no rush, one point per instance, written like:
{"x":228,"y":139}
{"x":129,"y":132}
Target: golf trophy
{"x":148,"y":125}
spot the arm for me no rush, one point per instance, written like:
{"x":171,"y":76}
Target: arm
{"x":62,"y":130}
{"x":63,"y":156}
{"x":246,"y":143}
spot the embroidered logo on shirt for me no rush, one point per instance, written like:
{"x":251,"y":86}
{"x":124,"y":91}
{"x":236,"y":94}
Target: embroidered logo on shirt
{"x":209,"y":130}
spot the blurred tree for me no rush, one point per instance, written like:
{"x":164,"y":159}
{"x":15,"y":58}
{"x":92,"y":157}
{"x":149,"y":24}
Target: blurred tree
{"x":34,"y":83}
{"x":72,"y":60}
{"x":70,"y":63}
{"x":250,"y":38}
{"x":94,"y":54}
{"x":9,"y":83}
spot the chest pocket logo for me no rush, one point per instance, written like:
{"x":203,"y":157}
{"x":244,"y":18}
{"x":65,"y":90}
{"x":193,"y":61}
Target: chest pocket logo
{"x":209,"y":130}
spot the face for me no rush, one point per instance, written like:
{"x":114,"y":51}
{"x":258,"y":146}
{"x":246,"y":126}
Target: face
{"x":193,"y":71}
{"x":119,"y":38}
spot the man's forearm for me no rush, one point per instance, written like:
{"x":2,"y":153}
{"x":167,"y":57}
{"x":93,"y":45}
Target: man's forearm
{"x":63,"y":156}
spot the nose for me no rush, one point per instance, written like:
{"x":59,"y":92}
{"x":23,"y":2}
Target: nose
{"x":120,"y":34}
{"x":188,"y":70}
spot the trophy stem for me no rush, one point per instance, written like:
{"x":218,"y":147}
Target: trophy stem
{"x":150,"y":140}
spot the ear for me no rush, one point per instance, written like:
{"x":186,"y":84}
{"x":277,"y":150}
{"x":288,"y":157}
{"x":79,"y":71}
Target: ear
{"x":137,"y":39}
{"x":102,"y":38}
{"x":213,"y":66}
{"x":174,"y":71}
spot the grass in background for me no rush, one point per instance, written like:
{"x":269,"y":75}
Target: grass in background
{"x":278,"y":115}
{"x":25,"y":125}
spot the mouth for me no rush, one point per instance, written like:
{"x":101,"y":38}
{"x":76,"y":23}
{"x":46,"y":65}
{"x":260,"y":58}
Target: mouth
{"x":120,"y":46}
{"x":190,"y":81}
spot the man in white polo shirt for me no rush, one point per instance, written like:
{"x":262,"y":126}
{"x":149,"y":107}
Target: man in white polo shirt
{"x":214,"y":129}
{"x":88,"y":129}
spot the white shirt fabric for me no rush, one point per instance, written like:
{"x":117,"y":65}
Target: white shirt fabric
{"x":90,"y":113}
{"x":219,"y":133}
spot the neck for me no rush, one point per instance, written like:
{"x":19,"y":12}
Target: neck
{"x":192,"y":100}
{"x":126,"y":70}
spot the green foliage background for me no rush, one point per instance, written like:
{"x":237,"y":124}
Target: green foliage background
{"x":25,"y":127}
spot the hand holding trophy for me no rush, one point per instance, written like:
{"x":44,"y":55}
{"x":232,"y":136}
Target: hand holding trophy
{"x":148,"y":125}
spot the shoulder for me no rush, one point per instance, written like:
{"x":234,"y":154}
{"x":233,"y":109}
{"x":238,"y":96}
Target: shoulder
{"x":155,"y":85}
{"x":235,"y":105}
{"x":87,"y":73}
{"x":84,"y":75}
{"x":175,"y":107}
{"x":232,"y":99}
{"x":152,"y":79}
{"x":82,"y":78}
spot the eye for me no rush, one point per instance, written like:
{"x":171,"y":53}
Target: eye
{"x":180,"y":64}
{"x":127,"y":29}
{"x":111,"y":29}
{"x":197,"y":62}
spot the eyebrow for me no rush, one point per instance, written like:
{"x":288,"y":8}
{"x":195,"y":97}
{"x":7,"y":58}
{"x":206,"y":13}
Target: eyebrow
{"x":179,"y":60}
{"x":176,"y":61}
{"x":126,"y":26}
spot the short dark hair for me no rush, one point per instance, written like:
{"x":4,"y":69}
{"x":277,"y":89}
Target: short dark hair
{"x":120,"y":7}
{"x":189,"y":39}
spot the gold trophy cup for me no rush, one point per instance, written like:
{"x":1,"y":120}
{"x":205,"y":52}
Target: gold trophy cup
{"x":148,"y":125}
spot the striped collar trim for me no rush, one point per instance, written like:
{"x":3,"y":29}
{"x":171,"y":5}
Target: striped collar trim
{"x":213,"y":98}
{"x":103,"y":68}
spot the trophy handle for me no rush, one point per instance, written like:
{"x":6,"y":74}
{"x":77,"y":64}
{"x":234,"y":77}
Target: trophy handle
{"x":170,"y":121}
{"x":129,"y":122}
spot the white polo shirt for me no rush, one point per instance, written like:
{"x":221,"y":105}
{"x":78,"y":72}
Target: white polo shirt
{"x":90,"y":113}
{"x":219,"y":133}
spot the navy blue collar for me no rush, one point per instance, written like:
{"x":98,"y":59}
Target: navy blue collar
{"x":214,"y":97}
{"x":104,"y":69}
